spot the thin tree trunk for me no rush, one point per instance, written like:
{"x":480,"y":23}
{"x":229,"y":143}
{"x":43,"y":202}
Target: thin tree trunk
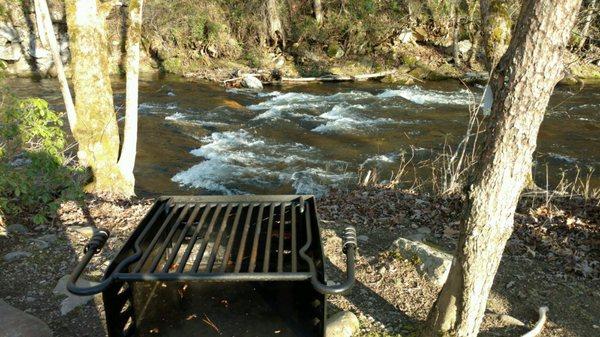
{"x":455,"y":31}
{"x":318,"y":10}
{"x":591,"y":11}
{"x":522,"y":85}
{"x":45,"y":20}
{"x":495,"y":27}
{"x":96,"y":130}
{"x":128,"y":150}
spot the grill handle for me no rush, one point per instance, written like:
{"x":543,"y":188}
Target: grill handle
{"x":349,"y":248}
{"x":93,"y":247}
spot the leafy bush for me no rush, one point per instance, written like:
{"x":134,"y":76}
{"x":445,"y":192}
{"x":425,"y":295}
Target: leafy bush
{"x":34,"y":172}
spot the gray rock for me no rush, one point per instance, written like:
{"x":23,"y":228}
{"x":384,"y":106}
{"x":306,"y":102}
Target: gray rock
{"x":424,"y":230}
{"x":342,"y":324}
{"x":50,"y":238}
{"x":17,"y":229}
{"x":40,"y":244}
{"x":10,"y":52}
{"x":362,"y":238}
{"x":464,"y":46}
{"x":16,"y":323}
{"x":71,"y":301}
{"x":9,"y":33}
{"x":86,"y":231}
{"x":14,"y":256}
{"x":431,"y":262}
{"x":251,"y":82}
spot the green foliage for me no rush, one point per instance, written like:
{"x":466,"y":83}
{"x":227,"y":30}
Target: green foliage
{"x":34,"y":174}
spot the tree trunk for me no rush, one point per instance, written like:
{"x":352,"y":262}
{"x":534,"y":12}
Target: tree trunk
{"x":522,"y":84}
{"x":591,"y":11}
{"x":318,"y":10}
{"x":274,"y":24}
{"x":128,"y":150}
{"x":455,"y":36}
{"x":495,"y":27}
{"x":96,"y":130}
{"x":44,"y":19}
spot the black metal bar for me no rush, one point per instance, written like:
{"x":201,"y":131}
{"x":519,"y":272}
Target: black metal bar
{"x":281,"y":237}
{"x":294,"y":239}
{"x":242,"y":246}
{"x":254,"y":252}
{"x":234,"y":227}
{"x":268,"y":240}
{"x":209,"y":230}
{"x":149,"y":249}
{"x":213,"y":277}
{"x":190,"y":247}
{"x":217,"y":243}
{"x":179,"y":241}
{"x":162,"y":249}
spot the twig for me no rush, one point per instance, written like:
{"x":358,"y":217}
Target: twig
{"x":539,"y":325}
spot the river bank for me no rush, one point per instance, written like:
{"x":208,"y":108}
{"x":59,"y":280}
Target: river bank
{"x":554,"y":249}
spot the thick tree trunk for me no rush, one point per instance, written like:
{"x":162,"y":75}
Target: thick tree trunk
{"x":274,"y":24}
{"x":44,"y":19}
{"x":495,"y":27}
{"x":455,"y":36}
{"x":522,"y":87}
{"x":128,"y":150}
{"x":318,"y":10}
{"x":591,"y":12}
{"x":96,"y":130}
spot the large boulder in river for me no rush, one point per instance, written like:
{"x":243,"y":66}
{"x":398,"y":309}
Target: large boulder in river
{"x":433,"y":263}
{"x":249,"y":81}
{"x":16,"y":323}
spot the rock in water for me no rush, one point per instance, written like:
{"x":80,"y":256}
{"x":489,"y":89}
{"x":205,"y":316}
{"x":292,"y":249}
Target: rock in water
{"x":431,"y":262}
{"x":72,"y":301}
{"x":251,"y":82}
{"x":342,"y":324}
{"x":16,"y":323}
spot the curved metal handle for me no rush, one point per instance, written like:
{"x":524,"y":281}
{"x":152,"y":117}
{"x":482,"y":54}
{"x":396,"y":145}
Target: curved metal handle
{"x":349,"y":248}
{"x":93,"y":247}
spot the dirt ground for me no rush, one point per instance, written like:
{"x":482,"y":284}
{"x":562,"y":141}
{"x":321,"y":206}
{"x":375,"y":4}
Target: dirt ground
{"x":552,"y":259}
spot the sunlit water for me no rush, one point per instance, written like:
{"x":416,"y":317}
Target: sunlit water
{"x":199,"y":138}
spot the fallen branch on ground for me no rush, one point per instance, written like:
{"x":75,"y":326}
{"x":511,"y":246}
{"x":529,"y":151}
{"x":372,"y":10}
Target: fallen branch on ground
{"x":539,"y":326}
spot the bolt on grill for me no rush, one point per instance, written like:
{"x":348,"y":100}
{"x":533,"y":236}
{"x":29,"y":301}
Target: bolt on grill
{"x":260,"y":256}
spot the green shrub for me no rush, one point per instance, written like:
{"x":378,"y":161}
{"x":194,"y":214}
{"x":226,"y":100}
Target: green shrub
{"x":34,"y":173}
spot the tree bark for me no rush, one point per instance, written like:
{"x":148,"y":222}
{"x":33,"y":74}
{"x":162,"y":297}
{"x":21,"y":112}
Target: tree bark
{"x":591,"y":11}
{"x":43,"y":15}
{"x":522,"y":86}
{"x":128,"y":150}
{"x":455,"y":36}
{"x":274,"y":24}
{"x":495,"y":27}
{"x":318,"y":10}
{"x":96,"y":130}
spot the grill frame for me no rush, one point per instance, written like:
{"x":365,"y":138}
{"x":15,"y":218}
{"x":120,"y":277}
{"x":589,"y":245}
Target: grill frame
{"x":134,"y":263}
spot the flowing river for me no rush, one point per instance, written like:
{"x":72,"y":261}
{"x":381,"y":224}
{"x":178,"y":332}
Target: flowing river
{"x":200,"y":138}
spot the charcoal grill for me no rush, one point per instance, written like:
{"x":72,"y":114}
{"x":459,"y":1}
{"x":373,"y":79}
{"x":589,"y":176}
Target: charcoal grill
{"x":219,"y":266}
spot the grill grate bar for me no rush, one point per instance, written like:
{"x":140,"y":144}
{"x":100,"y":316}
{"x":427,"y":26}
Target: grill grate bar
{"x":217,"y":243}
{"x":254,"y":252}
{"x":240,"y":255}
{"x":281,"y":238}
{"x":268,"y":240}
{"x":234,"y":227}
{"x":182,"y":235}
{"x":209,"y":230}
{"x":155,"y":239}
{"x":163,"y":247}
{"x":294,"y":239}
{"x":192,"y":242}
